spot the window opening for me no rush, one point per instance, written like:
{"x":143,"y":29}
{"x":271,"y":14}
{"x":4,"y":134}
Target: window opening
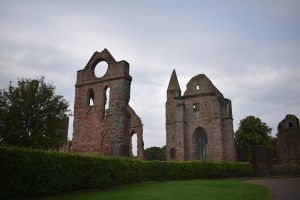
{"x":134,"y":144}
{"x":201,"y":145}
{"x":195,"y":107}
{"x":106,"y":100}
{"x":90,"y":97}
{"x":100,"y":69}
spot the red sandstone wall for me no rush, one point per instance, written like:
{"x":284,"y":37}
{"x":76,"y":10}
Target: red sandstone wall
{"x":96,"y":129}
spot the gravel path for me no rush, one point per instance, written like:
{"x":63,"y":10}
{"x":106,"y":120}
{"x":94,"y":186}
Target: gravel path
{"x":281,"y":188}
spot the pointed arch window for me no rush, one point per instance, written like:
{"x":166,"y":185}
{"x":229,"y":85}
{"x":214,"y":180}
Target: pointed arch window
{"x":200,"y":144}
{"x":106,"y":99}
{"x":90,"y":97}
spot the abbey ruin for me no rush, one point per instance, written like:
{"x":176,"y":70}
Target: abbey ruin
{"x":288,"y":138}
{"x":284,"y":160}
{"x":198,"y":123}
{"x":103,"y":121}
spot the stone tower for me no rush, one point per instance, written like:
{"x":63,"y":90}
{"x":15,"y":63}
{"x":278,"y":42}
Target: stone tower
{"x":103,"y":120}
{"x":288,"y":138}
{"x":198,"y":123}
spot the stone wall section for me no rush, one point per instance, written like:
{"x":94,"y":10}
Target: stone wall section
{"x":288,"y":138}
{"x":136,"y":127}
{"x":227,"y":130}
{"x":265,"y":163}
{"x":99,"y":128}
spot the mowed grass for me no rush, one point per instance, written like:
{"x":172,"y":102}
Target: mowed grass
{"x":176,"y":190}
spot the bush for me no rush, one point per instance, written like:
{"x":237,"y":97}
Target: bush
{"x":31,"y":173}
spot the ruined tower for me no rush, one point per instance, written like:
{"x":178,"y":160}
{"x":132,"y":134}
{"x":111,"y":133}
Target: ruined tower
{"x":198,"y":123}
{"x":288,"y":138}
{"x":103,"y":120}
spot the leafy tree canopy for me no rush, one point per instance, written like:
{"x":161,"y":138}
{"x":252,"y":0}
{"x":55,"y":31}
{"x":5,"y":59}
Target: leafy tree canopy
{"x":155,"y":153}
{"x":31,"y":115}
{"x":252,"y":131}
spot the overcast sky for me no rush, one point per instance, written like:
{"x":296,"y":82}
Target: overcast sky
{"x":250,"y":50}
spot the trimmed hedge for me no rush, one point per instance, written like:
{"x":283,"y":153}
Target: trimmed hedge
{"x":32,"y":173}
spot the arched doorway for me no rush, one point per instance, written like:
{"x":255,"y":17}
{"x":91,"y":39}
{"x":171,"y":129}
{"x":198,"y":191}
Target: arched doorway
{"x":200,"y":144}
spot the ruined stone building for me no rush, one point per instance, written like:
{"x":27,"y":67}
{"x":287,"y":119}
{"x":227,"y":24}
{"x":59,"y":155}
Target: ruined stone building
{"x":198,"y":123}
{"x":288,"y":138}
{"x":103,"y":121}
{"x":288,"y":151}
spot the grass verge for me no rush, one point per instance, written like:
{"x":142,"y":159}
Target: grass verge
{"x":176,"y":190}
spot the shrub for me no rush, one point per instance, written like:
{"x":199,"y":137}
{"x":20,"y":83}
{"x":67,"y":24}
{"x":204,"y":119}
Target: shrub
{"x":32,"y":173}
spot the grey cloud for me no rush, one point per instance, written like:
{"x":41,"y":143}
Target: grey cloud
{"x":249,"y":50}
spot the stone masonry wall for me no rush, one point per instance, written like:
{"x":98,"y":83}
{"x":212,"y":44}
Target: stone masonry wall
{"x":202,"y":106}
{"x":102,"y":118}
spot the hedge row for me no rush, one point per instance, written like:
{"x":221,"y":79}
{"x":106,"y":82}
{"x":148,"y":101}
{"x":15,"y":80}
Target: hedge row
{"x":32,"y":173}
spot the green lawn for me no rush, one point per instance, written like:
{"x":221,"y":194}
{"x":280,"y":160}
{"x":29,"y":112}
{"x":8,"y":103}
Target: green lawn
{"x":176,"y":190}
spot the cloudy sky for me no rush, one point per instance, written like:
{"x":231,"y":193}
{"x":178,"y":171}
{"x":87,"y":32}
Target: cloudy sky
{"x":250,"y":50}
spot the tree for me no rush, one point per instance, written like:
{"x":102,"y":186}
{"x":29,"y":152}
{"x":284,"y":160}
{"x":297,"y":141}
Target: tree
{"x":252,"y":131}
{"x":155,"y":153}
{"x":31,"y":115}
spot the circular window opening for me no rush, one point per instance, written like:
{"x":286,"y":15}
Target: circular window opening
{"x":101,"y":69}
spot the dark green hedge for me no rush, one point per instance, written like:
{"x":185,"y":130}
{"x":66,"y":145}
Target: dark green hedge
{"x":31,"y":173}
